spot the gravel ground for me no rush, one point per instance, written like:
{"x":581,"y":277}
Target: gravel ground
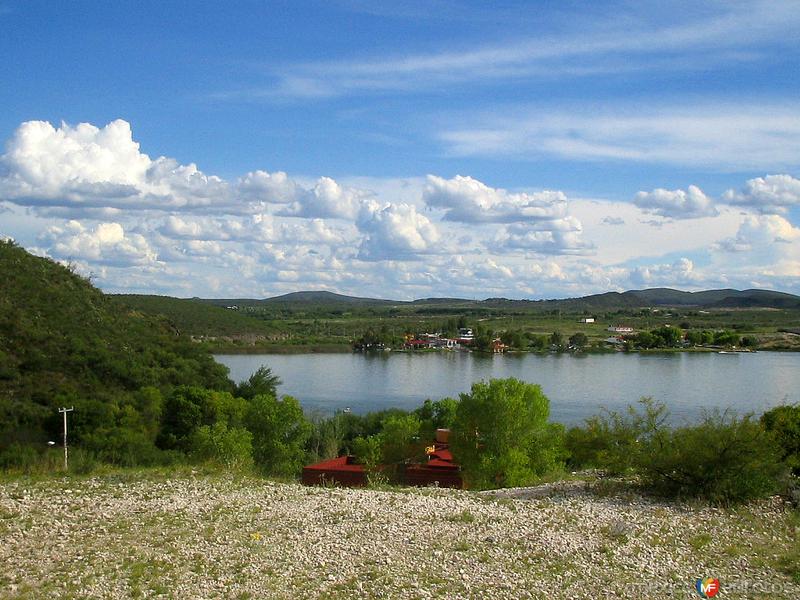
{"x":222,"y":537}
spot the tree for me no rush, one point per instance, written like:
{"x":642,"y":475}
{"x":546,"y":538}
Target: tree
{"x":578,"y":340}
{"x":667,"y":336}
{"x":483,"y":339}
{"x":263,"y":381}
{"x":726,"y":338}
{"x":538,"y":342}
{"x":512,"y":338}
{"x":501,"y":436}
{"x":437,"y":413}
{"x":695,"y":338}
{"x":280,"y":431}
{"x":556,"y":339}
{"x":400,"y":439}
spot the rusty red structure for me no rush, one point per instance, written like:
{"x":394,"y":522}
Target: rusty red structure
{"x":439,"y":470}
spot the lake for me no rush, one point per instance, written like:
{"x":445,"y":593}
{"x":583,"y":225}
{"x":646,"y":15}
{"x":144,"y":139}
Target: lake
{"x":578,"y":386}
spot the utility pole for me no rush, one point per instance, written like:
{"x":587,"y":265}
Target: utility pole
{"x":64,"y":411}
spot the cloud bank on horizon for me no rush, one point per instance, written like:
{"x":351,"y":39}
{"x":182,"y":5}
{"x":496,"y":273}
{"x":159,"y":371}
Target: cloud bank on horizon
{"x":144,"y":224}
{"x":447,"y":150}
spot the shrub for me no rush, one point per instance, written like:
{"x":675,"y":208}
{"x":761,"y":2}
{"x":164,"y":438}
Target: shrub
{"x":82,"y":462}
{"x":612,"y":441}
{"x":724,"y":459}
{"x":18,"y":457}
{"x":280,"y":431}
{"x":784,"y":424}
{"x":230,"y":447}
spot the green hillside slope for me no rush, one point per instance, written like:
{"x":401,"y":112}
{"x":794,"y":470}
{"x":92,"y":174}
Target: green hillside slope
{"x":197,"y":317}
{"x":63,"y":342}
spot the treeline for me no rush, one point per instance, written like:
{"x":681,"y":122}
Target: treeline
{"x":674,"y":337}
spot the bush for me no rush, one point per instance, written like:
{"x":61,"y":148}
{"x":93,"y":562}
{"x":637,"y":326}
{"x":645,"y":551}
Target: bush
{"x":229,"y":447}
{"x":82,"y":462}
{"x":722,"y":460}
{"x":501,"y":435}
{"x":613,"y":441}
{"x":18,"y":457}
{"x":280,"y":431}
{"x":783,"y":422}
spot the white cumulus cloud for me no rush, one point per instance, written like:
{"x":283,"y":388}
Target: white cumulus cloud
{"x":107,"y":243}
{"x":561,"y":236}
{"x":88,"y":166}
{"x":676,"y":204}
{"x":395,"y":231}
{"x":327,"y":199}
{"x":679,"y":273}
{"x":771,"y":194}
{"x":468,"y":200}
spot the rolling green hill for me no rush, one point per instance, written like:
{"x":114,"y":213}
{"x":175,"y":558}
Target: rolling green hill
{"x":198,"y":317}
{"x":727,"y":298}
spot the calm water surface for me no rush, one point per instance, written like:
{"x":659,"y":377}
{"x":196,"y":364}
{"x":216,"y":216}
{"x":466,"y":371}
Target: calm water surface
{"x":578,"y":386}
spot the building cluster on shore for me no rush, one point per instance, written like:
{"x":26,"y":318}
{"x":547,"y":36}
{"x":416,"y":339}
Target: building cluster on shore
{"x":464,"y":340}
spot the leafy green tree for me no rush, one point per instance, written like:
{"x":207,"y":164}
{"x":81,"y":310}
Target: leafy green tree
{"x":695,"y":338}
{"x":557,"y":340}
{"x":726,"y":338}
{"x":539,"y":342}
{"x":263,"y":381}
{"x":513,"y":339}
{"x":367,"y":451}
{"x":667,"y":337}
{"x":749,"y":341}
{"x":645,"y":339}
{"x":501,"y":434}
{"x":483,"y":339}
{"x":280,"y":432}
{"x":400,"y":440}
{"x":440,"y":414}
{"x":578,"y":340}
{"x":189,"y":407}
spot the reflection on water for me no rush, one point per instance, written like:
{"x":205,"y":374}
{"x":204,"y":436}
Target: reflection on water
{"x":578,"y":386}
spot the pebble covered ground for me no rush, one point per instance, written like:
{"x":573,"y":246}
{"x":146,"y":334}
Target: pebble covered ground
{"x":212,"y":536}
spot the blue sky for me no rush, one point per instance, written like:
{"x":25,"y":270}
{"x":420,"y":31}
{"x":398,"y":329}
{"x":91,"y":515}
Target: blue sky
{"x":404,"y":149}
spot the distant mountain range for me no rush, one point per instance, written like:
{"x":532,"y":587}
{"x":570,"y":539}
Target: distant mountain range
{"x":662,"y":297}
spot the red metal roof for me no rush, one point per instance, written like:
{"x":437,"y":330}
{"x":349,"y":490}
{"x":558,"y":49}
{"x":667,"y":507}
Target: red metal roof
{"x":342,"y":463}
{"x":439,"y":463}
{"x":444,"y":454}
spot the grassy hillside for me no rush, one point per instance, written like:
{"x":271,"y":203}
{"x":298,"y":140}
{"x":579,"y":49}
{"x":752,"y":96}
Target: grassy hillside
{"x":63,"y":342}
{"x":197,"y":317}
